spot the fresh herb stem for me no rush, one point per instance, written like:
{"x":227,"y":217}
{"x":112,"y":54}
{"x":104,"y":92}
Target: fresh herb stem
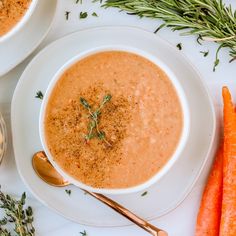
{"x":210,"y":20}
{"x":94,"y":119}
{"x":17,"y":214}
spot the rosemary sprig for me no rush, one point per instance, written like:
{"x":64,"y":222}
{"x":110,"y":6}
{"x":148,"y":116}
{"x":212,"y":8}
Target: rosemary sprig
{"x":93,"y":126}
{"x":210,"y":20}
{"x":17,"y":214}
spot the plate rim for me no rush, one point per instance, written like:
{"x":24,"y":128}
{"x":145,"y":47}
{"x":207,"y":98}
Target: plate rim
{"x":210,"y":150}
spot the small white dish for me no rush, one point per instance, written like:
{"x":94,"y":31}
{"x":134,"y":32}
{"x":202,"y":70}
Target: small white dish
{"x":21,"y":23}
{"x":161,"y":198}
{"x":181,"y":144}
{"x":27,"y":38}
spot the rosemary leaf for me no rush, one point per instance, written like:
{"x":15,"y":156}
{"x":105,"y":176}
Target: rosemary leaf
{"x":144,"y":194}
{"x":210,"y":20}
{"x":83,"y":15}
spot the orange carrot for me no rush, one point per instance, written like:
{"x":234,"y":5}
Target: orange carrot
{"x":228,"y":215}
{"x":208,"y":219}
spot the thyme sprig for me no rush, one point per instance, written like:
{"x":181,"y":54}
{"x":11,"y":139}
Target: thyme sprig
{"x":17,"y":214}
{"x":209,"y":20}
{"x":93,"y":126}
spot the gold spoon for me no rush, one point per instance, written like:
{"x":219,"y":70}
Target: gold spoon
{"x":49,"y":174}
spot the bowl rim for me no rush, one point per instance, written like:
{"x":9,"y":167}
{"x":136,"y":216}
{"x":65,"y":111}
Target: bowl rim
{"x":21,"y":22}
{"x":182,"y":98}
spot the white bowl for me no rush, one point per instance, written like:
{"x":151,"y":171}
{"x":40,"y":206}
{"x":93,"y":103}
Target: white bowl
{"x":165,"y":168}
{"x":21,"y":22}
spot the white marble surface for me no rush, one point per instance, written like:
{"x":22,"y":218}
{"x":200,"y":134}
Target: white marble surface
{"x":181,"y":221}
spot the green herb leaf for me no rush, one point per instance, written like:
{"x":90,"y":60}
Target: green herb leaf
{"x":83,"y":15}
{"x":68,"y":191}
{"x":106,"y":98}
{"x":179,"y":46}
{"x":67,"y":13}
{"x":84,"y":233}
{"x":216,"y":63}
{"x":144,"y":194}
{"x":101,"y":135}
{"x":94,"y":14}
{"x":85,"y":103}
{"x":198,"y":39}
{"x":39,"y":95}
{"x":159,"y":28}
{"x":79,"y":1}
{"x":205,"y":53}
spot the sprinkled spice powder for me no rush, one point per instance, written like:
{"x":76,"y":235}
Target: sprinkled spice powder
{"x":93,"y":155}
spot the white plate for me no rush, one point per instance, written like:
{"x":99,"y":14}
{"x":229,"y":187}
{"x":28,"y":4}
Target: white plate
{"x":161,"y":198}
{"x":17,"y":47}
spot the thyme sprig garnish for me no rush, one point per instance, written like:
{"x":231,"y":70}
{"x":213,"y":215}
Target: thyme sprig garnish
{"x":209,"y":20}
{"x":17,"y":214}
{"x":93,"y":126}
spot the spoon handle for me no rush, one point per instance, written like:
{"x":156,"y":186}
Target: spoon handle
{"x":129,"y":215}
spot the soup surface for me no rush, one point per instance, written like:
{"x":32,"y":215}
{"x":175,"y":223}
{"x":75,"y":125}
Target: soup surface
{"x":11,"y":12}
{"x":134,"y":133}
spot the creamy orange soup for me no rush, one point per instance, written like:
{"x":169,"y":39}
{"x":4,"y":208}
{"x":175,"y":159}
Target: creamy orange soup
{"x":139,"y":127}
{"x":11,"y":12}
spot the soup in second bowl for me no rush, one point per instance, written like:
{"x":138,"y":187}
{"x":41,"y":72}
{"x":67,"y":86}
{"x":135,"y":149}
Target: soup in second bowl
{"x":11,"y":12}
{"x":113,"y":120}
